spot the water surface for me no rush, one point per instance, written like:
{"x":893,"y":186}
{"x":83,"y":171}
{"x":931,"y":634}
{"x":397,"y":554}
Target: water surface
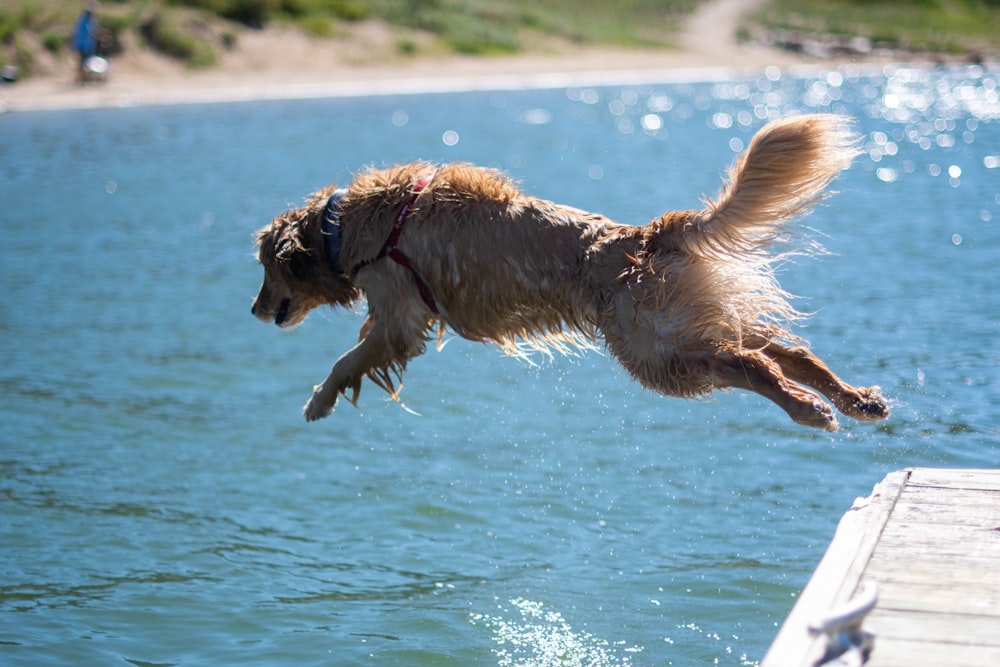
{"x":163,"y":503}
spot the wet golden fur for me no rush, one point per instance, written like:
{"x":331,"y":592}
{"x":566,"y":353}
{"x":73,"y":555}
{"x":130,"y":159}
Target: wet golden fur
{"x":687,"y":303}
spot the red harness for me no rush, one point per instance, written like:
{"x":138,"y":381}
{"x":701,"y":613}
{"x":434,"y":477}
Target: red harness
{"x":396,"y":255}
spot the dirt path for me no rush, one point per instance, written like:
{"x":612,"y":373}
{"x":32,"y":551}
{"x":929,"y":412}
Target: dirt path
{"x":711,"y":31}
{"x":709,"y":39}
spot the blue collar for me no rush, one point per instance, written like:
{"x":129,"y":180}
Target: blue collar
{"x":331,"y":228}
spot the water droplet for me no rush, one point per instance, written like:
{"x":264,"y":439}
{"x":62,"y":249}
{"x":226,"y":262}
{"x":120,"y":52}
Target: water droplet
{"x":723,"y":121}
{"x":536,"y":116}
{"x":651,"y":122}
{"x":886,"y":174}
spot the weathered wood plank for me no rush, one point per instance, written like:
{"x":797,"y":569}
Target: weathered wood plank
{"x":941,"y":540}
{"x":931,"y":538}
{"x":930,"y":570}
{"x":981,"y":514}
{"x":890,"y":652}
{"x":982,"y":479}
{"x":934,"y":627}
{"x":956,"y":500}
{"x":838,"y":575}
{"x":912,"y":594}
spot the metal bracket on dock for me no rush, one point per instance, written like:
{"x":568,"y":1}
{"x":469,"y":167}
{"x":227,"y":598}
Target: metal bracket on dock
{"x":848,"y":644}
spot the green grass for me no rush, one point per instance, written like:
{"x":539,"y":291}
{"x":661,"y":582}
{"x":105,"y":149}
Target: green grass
{"x":487,"y":26}
{"x":477,"y":26}
{"x":943,"y":26}
{"x":194,"y":31}
{"x":176,"y":28}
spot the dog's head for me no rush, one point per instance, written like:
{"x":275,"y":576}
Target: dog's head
{"x":298,"y":276}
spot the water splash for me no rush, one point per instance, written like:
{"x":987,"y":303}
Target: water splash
{"x":542,"y":638}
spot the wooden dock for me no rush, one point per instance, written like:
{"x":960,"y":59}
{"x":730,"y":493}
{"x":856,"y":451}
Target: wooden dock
{"x":930,"y":540}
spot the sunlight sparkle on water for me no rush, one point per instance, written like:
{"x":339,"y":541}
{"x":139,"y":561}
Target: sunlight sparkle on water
{"x":921,"y":109}
{"x":540,"y":638}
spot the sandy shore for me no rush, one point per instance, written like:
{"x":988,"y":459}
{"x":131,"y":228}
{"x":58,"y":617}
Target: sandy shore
{"x":593,"y":67}
{"x":282,"y":64}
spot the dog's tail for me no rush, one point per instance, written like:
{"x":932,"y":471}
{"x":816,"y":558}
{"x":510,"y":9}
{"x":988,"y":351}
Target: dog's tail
{"x":783,"y":173}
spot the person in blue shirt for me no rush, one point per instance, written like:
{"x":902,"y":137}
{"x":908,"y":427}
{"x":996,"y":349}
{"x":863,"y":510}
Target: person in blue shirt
{"x":85,"y":39}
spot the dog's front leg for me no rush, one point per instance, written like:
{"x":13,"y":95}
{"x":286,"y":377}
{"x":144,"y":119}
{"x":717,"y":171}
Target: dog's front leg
{"x":384,"y":349}
{"x":346,"y":374}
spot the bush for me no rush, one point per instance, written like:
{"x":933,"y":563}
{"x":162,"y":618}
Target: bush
{"x":24,"y":57}
{"x":164,"y":35}
{"x":349,"y":10}
{"x":252,"y":13}
{"x":9,"y":24}
{"x":481,"y":40}
{"x":53,"y":41}
{"x":317,"y":26}
{"x":407,"y":47}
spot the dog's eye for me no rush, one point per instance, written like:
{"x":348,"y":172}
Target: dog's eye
{"x":300,"y":265}
{"x":297,"y":260}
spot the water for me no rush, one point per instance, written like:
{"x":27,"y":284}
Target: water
{"x":163,"y":503}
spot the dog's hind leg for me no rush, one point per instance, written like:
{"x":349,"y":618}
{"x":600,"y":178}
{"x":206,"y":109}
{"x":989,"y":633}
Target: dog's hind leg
{"x":801,"y":365}
{"x":741,"y":368}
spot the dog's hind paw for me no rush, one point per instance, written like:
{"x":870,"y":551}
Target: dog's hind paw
{"x":822,"y":417}
{"x":319,"y":405}
{"x":869,"y":405}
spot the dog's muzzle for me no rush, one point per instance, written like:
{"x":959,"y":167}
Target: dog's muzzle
{"x":282,"y":314}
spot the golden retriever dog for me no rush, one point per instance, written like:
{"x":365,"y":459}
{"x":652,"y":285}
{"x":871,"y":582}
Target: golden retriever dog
{"x":687,"y":303}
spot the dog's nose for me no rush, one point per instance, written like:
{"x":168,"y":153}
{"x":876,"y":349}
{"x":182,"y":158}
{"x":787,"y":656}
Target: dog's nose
{"x":260,"y":313}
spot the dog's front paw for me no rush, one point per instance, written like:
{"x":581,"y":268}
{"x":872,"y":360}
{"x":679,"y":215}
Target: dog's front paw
{"x":320,"y":404}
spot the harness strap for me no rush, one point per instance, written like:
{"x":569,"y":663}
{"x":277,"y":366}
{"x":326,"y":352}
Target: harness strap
{"x":425,"y":291}
{"x":395,"y":254}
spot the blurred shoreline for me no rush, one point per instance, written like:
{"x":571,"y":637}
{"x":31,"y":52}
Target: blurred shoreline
{"x":278,"y":63}
{"x":593,"y":67}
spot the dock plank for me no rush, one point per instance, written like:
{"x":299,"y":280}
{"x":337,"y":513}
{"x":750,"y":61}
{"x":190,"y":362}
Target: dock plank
{"x":928,"y":572}
{"x":982,"y":479}
{"x":898,"y":652}
{"x":963,"y":629}
{"x":931,"y":539}
{"x":919,"y":510}
{"x":912,"y":593}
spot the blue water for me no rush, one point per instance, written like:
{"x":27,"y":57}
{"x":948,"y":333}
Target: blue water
{"x":163,"y":503}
